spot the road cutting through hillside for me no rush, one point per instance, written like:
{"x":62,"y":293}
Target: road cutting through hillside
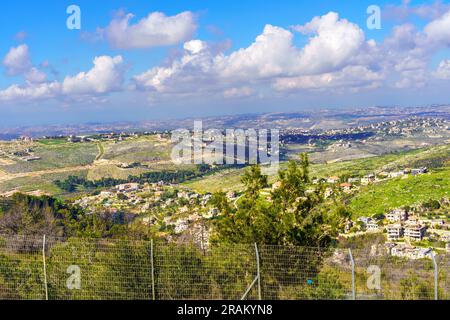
{"x":11,"y":176}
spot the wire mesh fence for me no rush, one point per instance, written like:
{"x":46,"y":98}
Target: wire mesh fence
{"x":443,"y":280}
{"x":34,"y":268}
{"x":380,"y":275}
{"x":21,"y":268}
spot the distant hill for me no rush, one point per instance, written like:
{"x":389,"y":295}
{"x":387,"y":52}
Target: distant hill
{"x":322,"y":118}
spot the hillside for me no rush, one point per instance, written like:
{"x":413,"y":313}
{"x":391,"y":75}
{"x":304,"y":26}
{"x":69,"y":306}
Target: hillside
{"x":433,"y":157}
{"x":56,"y":159}
{"x":381,"y":197}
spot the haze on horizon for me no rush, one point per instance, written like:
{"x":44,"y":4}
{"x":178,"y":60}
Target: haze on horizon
{"x":140,"y":60}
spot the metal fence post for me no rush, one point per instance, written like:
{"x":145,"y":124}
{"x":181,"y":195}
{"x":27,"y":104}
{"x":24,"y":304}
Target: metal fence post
{"x":45,"y":268}
{"x":153,"y":269}
{"x":258,"y":271}
{"x":353,"y":274}
{"x":436,"y":276}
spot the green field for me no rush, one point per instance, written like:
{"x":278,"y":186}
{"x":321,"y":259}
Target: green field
{"x":145,"y":149}
{"x":43,"y":182}
{"x":52,"y":142}
{"x":223,"y":181}
{"x":58,"y":155}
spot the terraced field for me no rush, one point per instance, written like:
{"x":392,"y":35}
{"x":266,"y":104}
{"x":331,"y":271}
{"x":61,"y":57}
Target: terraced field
{"x":94,"y":160}
{"x":53,"y":156}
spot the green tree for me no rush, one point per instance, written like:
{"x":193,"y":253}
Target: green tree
{"x":292,"y":217}
{"x":253,"y":181}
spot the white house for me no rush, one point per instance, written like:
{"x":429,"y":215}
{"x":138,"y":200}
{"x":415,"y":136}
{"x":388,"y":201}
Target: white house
{"x":368,"y":179}
{"x":394,"y":232}
{"x":127,"y":187}
{"x":396,"y":174}
{"x":364,"y":220}
{"x":372,"y":225}
{"x":397,"y":215}
{"x":415,"y":232}
{"x":418,"y":171}
{"x":333,"y":180}
{"x":347,"y":187}
{"x":424,"y":253}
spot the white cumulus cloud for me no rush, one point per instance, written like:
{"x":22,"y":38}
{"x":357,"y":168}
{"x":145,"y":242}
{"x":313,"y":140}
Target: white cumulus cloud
{"x":443,"y":70}
{"x":17,"y":61}
{"x":105,"y":76}
{"x":438,"y":31}
{"x":334,"y":42}
{"x":35,"y":75}
{"x":335,"y":57}
{"x":350,"y":77}
{"x":332,"y":45}
{"x":156,"y":29}
{"x":31,"y":91}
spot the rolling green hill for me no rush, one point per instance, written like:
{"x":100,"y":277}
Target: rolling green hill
{"x":434,"y":157}
{"x":379,"y":198}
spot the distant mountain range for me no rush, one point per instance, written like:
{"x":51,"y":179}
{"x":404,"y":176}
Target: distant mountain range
{"x":322,"y":119}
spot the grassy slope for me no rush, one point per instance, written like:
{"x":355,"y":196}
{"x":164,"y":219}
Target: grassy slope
{"x":223,"y":181}
{"x":57,"y":155}
{"x":43,"y":182}
{"x":379,"y":198}
{"x":433,"y":157}
{"x":148,"y":150}
{"x":142,"y":149}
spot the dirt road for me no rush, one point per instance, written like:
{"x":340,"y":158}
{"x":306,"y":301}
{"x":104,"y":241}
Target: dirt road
{"x":4,"y":176}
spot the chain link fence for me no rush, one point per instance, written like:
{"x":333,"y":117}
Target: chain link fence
{"x":35,"y":268}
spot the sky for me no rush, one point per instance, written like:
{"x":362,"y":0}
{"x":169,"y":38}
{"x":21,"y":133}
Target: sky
{"x":145,"y":60}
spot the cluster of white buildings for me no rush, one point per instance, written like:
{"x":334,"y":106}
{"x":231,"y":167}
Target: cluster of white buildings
{"x":411,"y":231}
{"x":403,"y":227}
{"x":140,"y":198}
{"x":399,"y":228}
{"x":371,"y":224}
{"x":370,"y":178}
{"x":405,"y":251}
{"x":397,"y":215}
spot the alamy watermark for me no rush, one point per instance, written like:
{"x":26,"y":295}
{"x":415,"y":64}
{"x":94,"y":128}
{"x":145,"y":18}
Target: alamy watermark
{"x":73,"y":282}
{"x":229,"y":146}
{"x":374,"y":278}
{"x":73,"y":22}
{"x":374,"y":20}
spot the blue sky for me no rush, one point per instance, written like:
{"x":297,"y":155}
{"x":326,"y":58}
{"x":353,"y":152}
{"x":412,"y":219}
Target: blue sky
{"x":198,"y":57}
